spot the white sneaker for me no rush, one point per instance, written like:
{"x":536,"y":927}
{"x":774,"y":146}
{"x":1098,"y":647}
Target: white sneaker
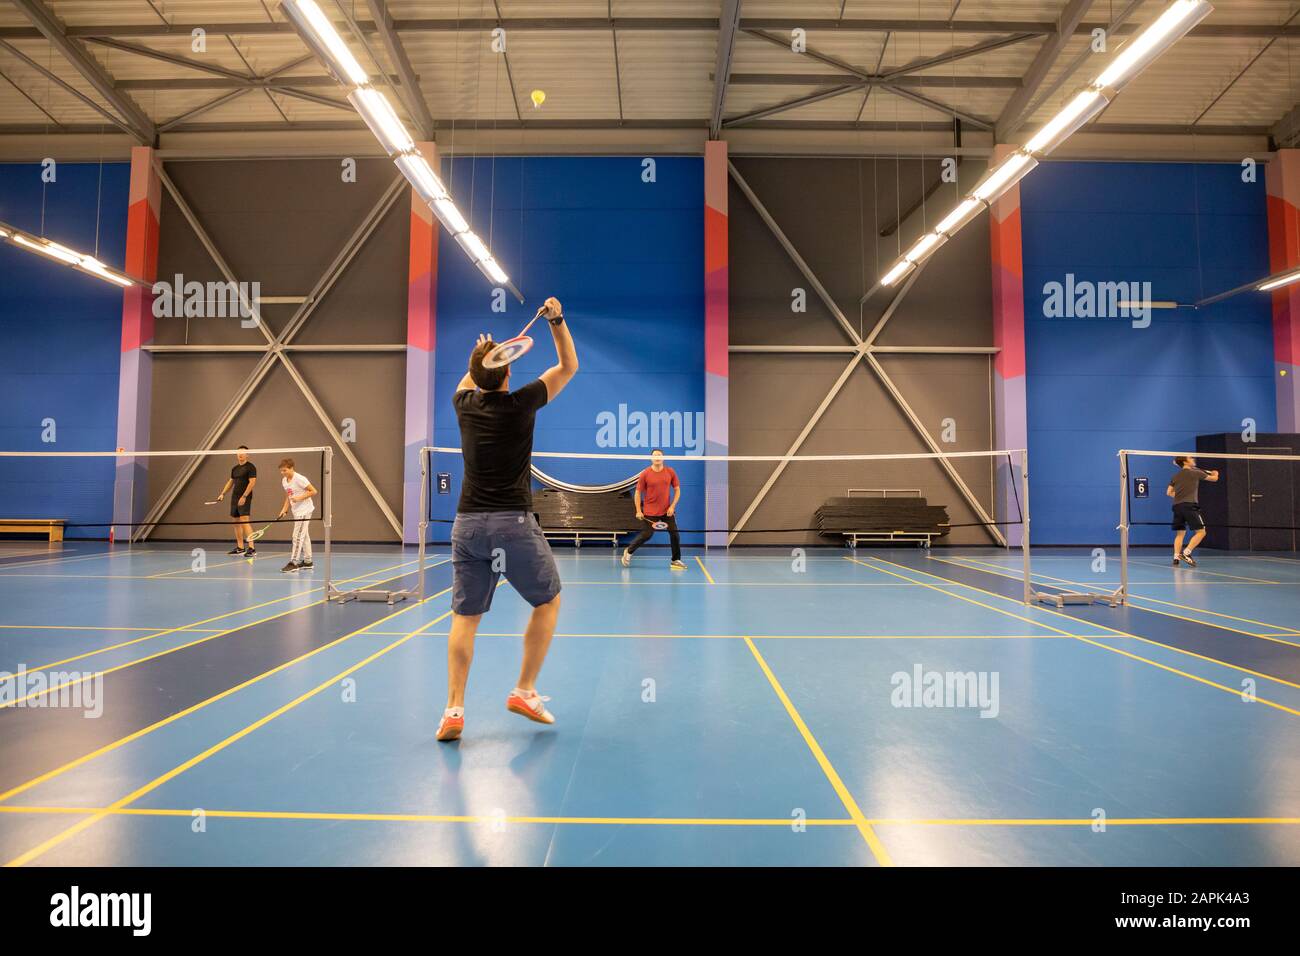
{"x":627,"y":558}
{"x":533,"y":706}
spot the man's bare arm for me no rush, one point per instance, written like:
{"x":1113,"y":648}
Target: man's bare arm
{"x":558,"y":376}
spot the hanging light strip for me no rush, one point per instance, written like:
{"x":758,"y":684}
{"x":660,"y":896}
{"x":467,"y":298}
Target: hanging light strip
{"x":69,"y":257}
{"x":1082,"y":108}
{"x":320,"y":36}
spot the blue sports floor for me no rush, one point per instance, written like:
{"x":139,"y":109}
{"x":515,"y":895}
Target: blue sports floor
{"x":748,"y":711}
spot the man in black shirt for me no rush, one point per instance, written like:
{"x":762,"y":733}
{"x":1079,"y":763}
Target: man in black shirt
{"x":1184,"y":488}
{"x":495,"y":532}
{"x":240,"y":487}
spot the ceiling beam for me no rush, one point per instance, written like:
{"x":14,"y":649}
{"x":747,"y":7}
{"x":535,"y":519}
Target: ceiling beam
{"x":136,"y":121}
{"x":1009,"y":120}
{"x":657,"y":24}
{"x":613,"y":124}
{"x":727,"y":25}
{"x":173,"y":58}
{"x":67,"y":88}
{"x":837,"y":79}
{"x":409,"y":86}
{"x":960,"y":53}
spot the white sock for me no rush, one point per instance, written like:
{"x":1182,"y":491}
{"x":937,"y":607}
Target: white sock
{"x":525,"y":694}
{"x":454,"y":712}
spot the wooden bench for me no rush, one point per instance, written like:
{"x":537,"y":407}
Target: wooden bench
{"x":50,"y":526}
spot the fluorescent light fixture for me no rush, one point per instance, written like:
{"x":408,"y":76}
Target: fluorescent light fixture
{"x":446,"y":211}
{"x":1163,"y":32}
{"x":382,"y":120}
{"x":1003,"y":176}
{"x":45,"y":249}
{"x":422,"y":178}
{"x":1076,"y":113}
{"x":318,"y":33}
{"x":1287,"y":278}
{"x":924,"y":246}
{"x":494,"y":271}
{"x":99,"y":270}
{"x":61,"y":253}
{"x":901,"y":268}
{"x":965,"y":211}
{"x":329,"y":46}
{"x":474,"y":246}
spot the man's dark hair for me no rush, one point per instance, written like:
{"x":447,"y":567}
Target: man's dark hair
{"x":656,"y":451}
{"x":488,"y":379}
{"x":1181,"y":461}
{"x":242,"y":448}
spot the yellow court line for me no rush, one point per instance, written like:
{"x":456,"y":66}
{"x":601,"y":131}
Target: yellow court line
{"x":1172,"y":670}
{"x":767,"y":637}
{"x":960,"y":597}
{"x":700,"y":562}
{"x":855,"y":812}
{"x":76,"y":627}
{"x":222,"y":564}
{"x":327,"y":815}
{"x":1147,"y":640}
{"x":67,"y":559}
{"x":136,"y":735}
{"x":181,"y":647}
{"x":87,"y":822}
{"x":1007,"y":572}
{"x":433,"y":817}
{"x":1221,"y":574}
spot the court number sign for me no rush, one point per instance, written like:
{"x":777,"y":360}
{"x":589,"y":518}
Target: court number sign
{"x":1141,"y":488}
{"x":444,"y":483}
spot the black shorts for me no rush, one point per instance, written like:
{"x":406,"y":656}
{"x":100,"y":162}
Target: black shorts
{"x":241,"y":511}
{"x":1188,"y":516}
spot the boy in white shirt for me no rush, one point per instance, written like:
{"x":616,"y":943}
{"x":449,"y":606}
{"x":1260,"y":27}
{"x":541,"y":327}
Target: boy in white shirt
{"x":298,"y":494}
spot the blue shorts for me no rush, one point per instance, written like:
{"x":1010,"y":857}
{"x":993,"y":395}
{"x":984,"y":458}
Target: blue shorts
{"x":486,"y":545}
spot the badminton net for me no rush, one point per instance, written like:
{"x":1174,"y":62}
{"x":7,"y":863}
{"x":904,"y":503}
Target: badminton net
{"x":977,"y":498}
{"x":170,"y":496}
{"x":1253,"y":506}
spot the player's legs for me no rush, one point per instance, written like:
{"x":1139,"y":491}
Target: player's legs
{"x":675,"y":538}
{"x":537,"y":641}
{"x":460,"y":655}
{"x":302,"y":543}
{"x":1178,"y":545}
{"x":647,"y":532}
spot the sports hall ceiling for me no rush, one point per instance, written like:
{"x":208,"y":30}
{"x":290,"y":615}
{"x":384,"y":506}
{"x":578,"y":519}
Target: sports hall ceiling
{"x":93,"y":77}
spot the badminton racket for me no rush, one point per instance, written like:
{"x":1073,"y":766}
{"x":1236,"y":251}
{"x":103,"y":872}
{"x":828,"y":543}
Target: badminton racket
{"x":259,"y":532}
{"x":512,"y":349}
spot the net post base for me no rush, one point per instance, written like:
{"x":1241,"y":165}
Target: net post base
{"x":371,"y":595}
{"x":1061,"y":598}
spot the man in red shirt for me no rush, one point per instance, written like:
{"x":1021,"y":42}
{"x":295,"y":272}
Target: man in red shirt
{"x":657,"y":494}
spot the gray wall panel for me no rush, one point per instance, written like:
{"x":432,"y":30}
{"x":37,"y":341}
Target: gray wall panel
{"x":827,"y":209}
{"x":282,"y":223}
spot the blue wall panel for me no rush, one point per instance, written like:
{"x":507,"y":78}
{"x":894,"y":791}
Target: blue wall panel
{"x":626,"y":259}
{"x":1098,"y":384}
{"x":62,"y":335}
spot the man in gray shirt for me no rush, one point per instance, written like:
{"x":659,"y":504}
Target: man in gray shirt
{"x":1183,"y":488}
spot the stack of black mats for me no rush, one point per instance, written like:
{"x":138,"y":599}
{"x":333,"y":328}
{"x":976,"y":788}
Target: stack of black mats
{"x":839,"y":516}
{"x":570,"y":511}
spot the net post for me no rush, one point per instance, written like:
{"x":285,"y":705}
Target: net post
{"x":1024,"y":531}
{"x":328,"y":484}
{"x":1122,"y":594}
{"x":425,"y":456}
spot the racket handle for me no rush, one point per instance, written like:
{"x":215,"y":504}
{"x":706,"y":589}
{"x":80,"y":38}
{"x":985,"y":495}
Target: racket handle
{"x":534,"y":319}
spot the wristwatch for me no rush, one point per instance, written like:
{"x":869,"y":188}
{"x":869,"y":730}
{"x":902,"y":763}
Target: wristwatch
{"x":558,"y":320}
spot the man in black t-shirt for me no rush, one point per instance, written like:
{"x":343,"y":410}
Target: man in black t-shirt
{"x":495,"y":531}
{"x":240,"y":487}
{"x":1184,"y":488}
